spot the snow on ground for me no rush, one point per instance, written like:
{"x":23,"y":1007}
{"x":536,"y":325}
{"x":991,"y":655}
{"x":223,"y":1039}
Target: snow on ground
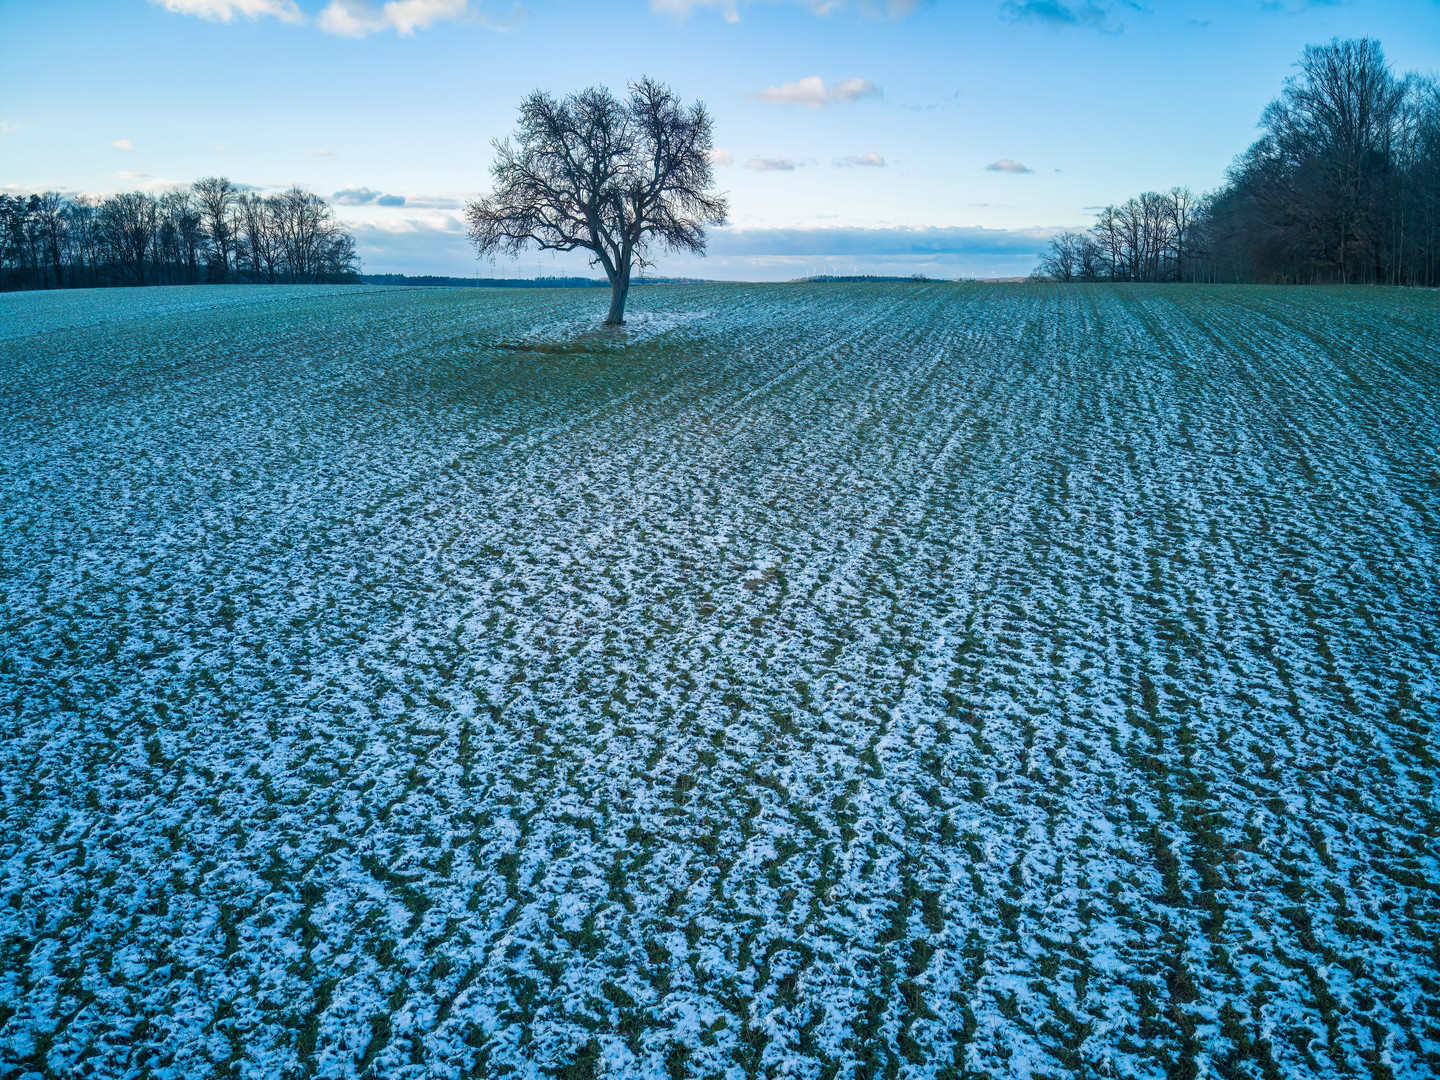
{"x":811,"y":681}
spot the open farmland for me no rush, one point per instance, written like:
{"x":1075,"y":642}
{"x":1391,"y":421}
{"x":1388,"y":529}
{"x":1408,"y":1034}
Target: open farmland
{"x":819,"y":681}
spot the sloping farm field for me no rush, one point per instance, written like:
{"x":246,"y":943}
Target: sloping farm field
{"x":810,"y":681}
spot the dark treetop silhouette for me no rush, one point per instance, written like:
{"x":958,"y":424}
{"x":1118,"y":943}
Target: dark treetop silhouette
{"x":615,"y":178}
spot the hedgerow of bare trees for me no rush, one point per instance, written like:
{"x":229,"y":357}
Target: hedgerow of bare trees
{"x":1149,"y":238}
{"x":1343,"y":186}
{"x":213,"y":231}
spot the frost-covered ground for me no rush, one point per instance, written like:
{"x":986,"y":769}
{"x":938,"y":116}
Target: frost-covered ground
{"x":811,"y":681}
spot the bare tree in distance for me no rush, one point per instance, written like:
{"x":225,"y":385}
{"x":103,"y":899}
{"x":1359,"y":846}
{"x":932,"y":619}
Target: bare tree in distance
{"x":614,"y":178}
{"x":217,"y":197}
{"x":131,"y":220}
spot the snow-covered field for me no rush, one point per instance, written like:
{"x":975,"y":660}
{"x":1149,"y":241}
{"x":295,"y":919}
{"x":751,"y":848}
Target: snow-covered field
{"x":810,"y":681}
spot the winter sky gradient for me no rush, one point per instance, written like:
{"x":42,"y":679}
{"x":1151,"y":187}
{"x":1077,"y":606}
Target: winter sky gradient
{"x":881,"y":137}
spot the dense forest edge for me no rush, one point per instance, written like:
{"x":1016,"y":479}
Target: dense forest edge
{"x":1342,"y":187}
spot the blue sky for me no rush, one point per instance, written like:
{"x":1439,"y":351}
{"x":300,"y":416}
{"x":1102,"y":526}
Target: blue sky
{"x":882,"y":137}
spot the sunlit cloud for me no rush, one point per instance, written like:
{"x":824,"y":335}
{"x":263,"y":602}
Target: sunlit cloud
{"x":1007,"y":166}
{"x":357,"y":18}
{"x":812,"y":93}
{"x":871,"y":159}
{"x":721,"y":156}
{"x":781,"y":164}
{"x":123,"y":144}
{"x":227,"y":10}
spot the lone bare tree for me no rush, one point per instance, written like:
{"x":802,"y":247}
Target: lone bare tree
{"x":616,"y":178}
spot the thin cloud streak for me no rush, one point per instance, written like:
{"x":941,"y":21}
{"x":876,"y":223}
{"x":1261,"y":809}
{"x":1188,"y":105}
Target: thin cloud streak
{"x":1089,"y":15}
{"x":782,"y":164}
{"x":843,"y":241}
{"x":730,"y":9}
{"x":436,"y":244}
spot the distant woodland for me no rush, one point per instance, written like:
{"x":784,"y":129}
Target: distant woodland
{"x":211,"y":231}
{"x":1343,"y":186}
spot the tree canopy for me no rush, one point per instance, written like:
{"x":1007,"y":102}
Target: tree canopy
{"x":619,"y":179}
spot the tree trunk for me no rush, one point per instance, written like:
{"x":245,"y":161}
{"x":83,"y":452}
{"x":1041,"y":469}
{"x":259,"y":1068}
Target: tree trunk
{"x":619,"y":288}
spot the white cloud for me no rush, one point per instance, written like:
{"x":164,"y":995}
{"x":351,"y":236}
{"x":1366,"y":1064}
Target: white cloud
{"x":1006,"y":165}
{"x":131,"y":174}
{"x":812,"y":92}
{"x":356,"y":18}
{"x":771,"y":164}
{"x":730,"y":9}
{"x":226,"y":10}
{"x":7,"y":128}
{"x":872,"y":159}
{"x":721,"y":156}
{"x":123,"y":144}
{"x":221,"y":148}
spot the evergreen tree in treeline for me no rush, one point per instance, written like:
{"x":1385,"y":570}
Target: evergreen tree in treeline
{"x":1343,"y":186}
{"x":212,"y":231}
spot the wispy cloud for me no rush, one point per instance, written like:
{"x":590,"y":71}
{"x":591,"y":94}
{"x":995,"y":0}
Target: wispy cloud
{"x":871,"y":159}
{"x":432,"y":202}
{"x":772,"y":164}
{"x":131,"y":174}
{"x":7,"y":128}
{"x":319,"y":153}
{"x":123,"y":144}
{"x":721,"y":156}
{"x":364,"y":196}
{"x":730,"y":9}
{"x":1295,"y":7}
{"x":227,"y":10}
{"x":1088,"y":15}
{"x":1006,"y":165}
{"x":357,"y":18}
{"x":812,"y":93}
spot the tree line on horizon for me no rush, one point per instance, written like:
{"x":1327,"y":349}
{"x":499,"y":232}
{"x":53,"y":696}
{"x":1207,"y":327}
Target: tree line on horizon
{"x":212,"y":231}
{"x":1342,"y":187}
